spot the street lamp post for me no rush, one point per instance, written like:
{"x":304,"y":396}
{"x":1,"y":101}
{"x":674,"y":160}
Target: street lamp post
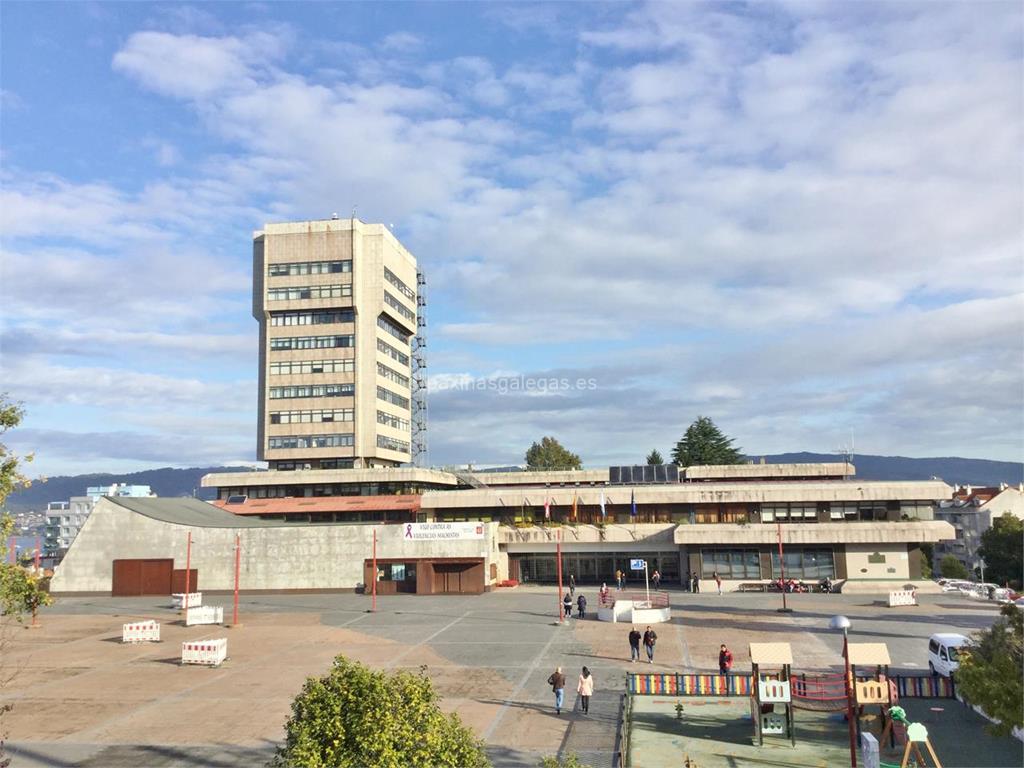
{"x":843,"y":623}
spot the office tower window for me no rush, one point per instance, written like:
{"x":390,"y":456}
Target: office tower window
{"x":313,"y":390}
{"x":391,"y":444}
{"x":312,"y":417}
{"x":392,"y":375}
{"x":312,"y":366}
{"x":391,"y":397}
{"x":309,"y":268}
{"x":311,"y":441}
{"x":310,"y":292}
{"x":394,"y":330}
{"x":317,"y":317}
{"x":394,"y":354}
{"x":399,"y":307}
{"x":312,"y":342}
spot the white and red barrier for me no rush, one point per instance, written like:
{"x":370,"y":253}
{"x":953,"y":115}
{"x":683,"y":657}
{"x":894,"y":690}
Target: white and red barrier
{"x":902,"y":597}
{"x":141,"y":632}
{"x":195,"y":599}
{"x":207,"y":614}
{"x":206,"y":652}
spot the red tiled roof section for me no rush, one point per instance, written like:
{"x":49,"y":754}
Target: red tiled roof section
{"x":302,"y":506}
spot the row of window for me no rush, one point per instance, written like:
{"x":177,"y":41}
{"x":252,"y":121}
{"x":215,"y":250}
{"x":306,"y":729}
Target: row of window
{"x":316,"y":317}
{"x":312,"y":366}
{"x":389,"y":420}
{"x":394,"y":330}
{"x":399,"y":307}
{"x":802,"y":563}
{"x":292,"y":466}
{"x":312,"y":342}
{"x":312,"y":417}
{"x":309,"y":268}
{"x":312,"y":441}
{"x":390,"y":397}
{"x":394,"y":354}
{"x":391,"y":444}
{"x":392,"y":278}
{"x":392,"y":375}
{"x":313,"y":390}
{"x":310,"y":292}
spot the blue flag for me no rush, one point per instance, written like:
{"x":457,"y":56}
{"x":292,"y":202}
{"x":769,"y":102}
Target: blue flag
{"x":632,"y":503}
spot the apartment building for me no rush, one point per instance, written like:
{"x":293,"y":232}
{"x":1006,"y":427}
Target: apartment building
{"x":336,"y":302}
{"x":971,"y":511}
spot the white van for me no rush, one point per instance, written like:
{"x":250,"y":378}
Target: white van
{"x":943,"y":654}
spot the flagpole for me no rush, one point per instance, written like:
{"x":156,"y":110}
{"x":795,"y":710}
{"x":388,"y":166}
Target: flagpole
{"x":558,"y":561}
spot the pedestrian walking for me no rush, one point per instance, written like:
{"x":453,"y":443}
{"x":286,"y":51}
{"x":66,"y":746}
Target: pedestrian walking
{"x":618,"y":580}
{"x":581,"y":607}
{"x":696,"y":582}
{"x":718,"y":582}
{"x":724,"y":660}
{"x":557,"y":683}
{"x":602,"y":593}
{"x":567,"y":605}
{"x":688,"y":584}
{"x":650,"y":638}
{"x":572,"y":585}
{"x":585,"y":688}
{"x":634,"y":644}
{"x":656,"y":578}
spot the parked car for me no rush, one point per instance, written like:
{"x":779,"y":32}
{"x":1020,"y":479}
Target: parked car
{"x":955,"y":585}
{"x":943,"y":653}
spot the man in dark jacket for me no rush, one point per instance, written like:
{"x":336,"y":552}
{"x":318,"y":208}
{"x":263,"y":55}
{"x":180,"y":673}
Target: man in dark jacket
{"x":557,"y":683}
{"x":650,"y":638}
{"x":581,"y":607}
{"x":634,"y":644}
{"x":567,"y":605}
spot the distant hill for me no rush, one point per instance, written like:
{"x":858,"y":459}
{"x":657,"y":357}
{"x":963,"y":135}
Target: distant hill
{"x":164,"y":482}
{"x":170,"y":482}
{"x":952,"y":469}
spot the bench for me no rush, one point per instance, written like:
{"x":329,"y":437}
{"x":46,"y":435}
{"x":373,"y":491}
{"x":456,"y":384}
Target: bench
{"x":751,"y":586}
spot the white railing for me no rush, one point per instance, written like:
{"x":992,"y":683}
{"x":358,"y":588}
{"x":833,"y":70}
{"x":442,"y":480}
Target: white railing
{"x":141,"y":632}
{"x":902,"y":597}
{"x":206,"y":652}
{"x":207,"y":614}
{"x":195,"y":599}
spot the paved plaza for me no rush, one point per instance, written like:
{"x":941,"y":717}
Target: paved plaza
{"x":83,"y":698}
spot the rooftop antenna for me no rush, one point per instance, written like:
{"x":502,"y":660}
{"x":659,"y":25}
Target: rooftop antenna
{"x":847,"y":451}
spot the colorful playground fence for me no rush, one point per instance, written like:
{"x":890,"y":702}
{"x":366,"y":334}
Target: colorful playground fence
{"x":816,"y":687}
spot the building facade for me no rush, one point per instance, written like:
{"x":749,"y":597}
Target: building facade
{"x":970,"y":512}
{"x":64,"y":519}
{"x":337,"y":309}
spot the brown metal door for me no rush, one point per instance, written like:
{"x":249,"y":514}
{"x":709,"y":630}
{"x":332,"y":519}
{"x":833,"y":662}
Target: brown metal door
{"x":133,"y":578}
{"x":178,"y":580}
{"x":127,"y":581}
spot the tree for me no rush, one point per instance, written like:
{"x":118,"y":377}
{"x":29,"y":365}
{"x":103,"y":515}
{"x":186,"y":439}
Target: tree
{"x":655,"y":458}
{"x":704,"y":443}
{"x":571,"y":760}
{"x":927,"y":555}
{"x":354,"y":716}
{"x":1002,"y":547}
{"x":549,"y":454}
{"x":991,"y":668}
{"x":11,"y":478}
{"x":951,"y":568}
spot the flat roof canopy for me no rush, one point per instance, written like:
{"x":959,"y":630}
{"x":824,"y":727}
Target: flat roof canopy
{"x":869,"y":653}
{"x":771,"y":653}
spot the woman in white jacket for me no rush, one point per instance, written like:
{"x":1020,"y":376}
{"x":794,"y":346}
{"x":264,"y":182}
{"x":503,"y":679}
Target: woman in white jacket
{"x":585,"y":688}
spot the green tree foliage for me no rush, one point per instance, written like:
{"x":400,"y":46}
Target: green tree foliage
{"x":354,"y":716}
{"x":654,"y":457}
{"x":1002,"y":547}
{"x":992,"y":668}
{"x":11,"y":478}
{"x":549,"y":454}
{"x":704,"y":443}
{"x":951,"y":568}
{"x":927,"y":555}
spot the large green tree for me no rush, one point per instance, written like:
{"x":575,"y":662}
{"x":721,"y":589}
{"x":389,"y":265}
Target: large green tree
{"x":992,"y":668}
{"x":550,"y":454}
{"x":704,"y":443}
{"x":654,"y":457}
{"x":354,"y":716}
{"x":951,"y":568}
{"x":1002,"y":547}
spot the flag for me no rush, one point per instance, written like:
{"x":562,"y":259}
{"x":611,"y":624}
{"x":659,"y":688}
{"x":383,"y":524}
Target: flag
{"x":632,"y":503}
{"x":547,"y":508}
{"x":574,"y":505}
{"x":603,"y":513}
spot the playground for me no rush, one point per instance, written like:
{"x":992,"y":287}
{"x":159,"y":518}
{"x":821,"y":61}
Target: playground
{"x":716,"y":731}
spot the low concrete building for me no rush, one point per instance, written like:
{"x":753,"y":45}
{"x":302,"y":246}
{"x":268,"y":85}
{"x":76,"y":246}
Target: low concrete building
{"x":135,"y":546}
{"x":487,"y":528}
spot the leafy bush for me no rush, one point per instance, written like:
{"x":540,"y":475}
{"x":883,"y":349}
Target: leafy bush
{"x":354,"y":717}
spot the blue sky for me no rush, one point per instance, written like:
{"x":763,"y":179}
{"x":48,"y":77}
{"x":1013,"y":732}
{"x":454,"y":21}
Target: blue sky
{"x":801,"y":219}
